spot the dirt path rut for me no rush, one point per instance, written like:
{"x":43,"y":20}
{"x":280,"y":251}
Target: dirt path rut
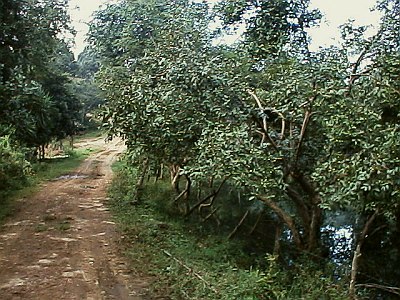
{"x":62,"y":244}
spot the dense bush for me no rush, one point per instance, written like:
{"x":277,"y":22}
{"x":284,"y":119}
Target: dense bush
{"x":13,"y":166}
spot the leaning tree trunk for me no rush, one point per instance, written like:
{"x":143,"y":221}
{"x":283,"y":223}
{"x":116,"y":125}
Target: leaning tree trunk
{"x":186,"y":197}
{"x":310,"y":215}
{"x":286,"y":219}
{"x":175,"y":177}
{"x":309,"y":210}
{"x":142,"y":175}
{"x":357,"y":256}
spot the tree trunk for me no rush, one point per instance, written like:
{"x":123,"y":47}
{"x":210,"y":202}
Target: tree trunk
{"x":287,"y":219}
{"x":238,"y":225}
{"x":175,"y":177}
{"x":186,"y":196}
{"x":159,"y":173}
{"x":312,"y":218}
{"x":140,"y":181}
{"x":357,"y":255}
{"x":314,"y":233}
{"x":143,"y":172}
{"x":277,"y":244}
{"x":42,"y":152}
{"x":162,"y":171}
{"x":256,"y":224}
{"x":71,"y":142}
{"x":212,"y":196}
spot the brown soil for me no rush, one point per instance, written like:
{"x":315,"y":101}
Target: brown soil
{"x":62,"y":243}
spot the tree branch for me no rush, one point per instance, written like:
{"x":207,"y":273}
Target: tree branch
{"x":306,"y":121}
{"x":213,"y":194}
{"x":257,"y":99}
{"x":256,"y":224}
{"x":315,"y":216}
{"x":238,"y":225}
{"x":300,"y":204}
{"x":265,"y":134}
{"x":286,"y":218}
{"x":390,"y":289}
{"x":264,"y":124}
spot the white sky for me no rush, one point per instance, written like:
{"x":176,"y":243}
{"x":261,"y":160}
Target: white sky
{"x":81,"y":13}
{"x":336,"y":13}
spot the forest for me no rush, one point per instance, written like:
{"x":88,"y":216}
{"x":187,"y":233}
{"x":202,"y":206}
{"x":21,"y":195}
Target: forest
{"x":289,"y":154}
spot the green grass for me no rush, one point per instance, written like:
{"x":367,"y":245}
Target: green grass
{"x":189,"y":260}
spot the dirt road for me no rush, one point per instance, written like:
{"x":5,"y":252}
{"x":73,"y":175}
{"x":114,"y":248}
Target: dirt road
{"x":62,"y":243}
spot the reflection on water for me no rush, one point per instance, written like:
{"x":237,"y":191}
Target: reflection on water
{"x":340,"y":242}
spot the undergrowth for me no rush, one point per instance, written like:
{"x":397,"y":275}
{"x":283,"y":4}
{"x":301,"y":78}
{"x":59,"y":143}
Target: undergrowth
{"x":190,"y":261}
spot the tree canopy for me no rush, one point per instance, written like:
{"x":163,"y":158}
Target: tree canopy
{"x":301,"y":135}
{"x":36,"y":103}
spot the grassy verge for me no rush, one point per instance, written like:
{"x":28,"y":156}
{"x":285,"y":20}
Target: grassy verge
{"x":55,"y":167}
{"x":42,"y":171}
{"x":191,"y":261}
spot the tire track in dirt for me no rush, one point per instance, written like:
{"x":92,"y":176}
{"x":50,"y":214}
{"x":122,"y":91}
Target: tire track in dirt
{"x":62,"y":243}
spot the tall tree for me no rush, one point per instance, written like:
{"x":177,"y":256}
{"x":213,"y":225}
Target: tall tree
{"x":34,"y":98}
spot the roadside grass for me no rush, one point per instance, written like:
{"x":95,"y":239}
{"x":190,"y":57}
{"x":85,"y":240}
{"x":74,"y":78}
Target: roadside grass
{"x":55,"y":167}
{"x":189,"y":260}
{"x":45,"y":170}
{"x":186,"y":262}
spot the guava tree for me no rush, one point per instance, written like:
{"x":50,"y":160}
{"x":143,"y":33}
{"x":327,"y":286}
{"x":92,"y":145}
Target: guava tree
{"x":299,"y":132}
{"x":316,"y":117}
{"x":365,"y":154}
{"x":273,"y":153}
{"x":163,"y":79}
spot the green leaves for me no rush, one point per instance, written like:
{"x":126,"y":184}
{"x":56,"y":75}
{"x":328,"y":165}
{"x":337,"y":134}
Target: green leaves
{"x":307,"y":131}
{"x":162,"y":95}
{"x":34,"y":63}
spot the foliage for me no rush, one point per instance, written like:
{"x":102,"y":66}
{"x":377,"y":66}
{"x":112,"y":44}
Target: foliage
{"x":35,"y":101}
{"x":86,"y":89}
{"x":273,"y":28}
{"x":13,"y":166}
{"x":180,"y":71}
{"x":300,"y":132}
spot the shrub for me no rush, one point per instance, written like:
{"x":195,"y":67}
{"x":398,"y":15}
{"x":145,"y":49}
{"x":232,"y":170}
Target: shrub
{"x":14,"y":168}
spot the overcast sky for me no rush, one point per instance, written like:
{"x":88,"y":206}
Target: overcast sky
{"x":81,"y":13}
{"x":336,"y":13}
